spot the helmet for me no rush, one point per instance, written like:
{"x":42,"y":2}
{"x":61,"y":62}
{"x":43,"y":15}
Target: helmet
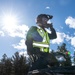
{"x":39,"y":17}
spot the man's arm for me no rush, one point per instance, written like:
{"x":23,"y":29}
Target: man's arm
{"x":29,"y":46}
{"x":29,"y":40}
{"x":53,"y":34}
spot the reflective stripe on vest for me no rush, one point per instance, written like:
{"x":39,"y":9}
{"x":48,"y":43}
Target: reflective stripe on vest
{"x":40,"y":44}
{"x":44,"y":45}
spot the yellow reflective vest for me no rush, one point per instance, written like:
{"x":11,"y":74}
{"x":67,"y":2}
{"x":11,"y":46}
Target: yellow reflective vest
{"x":44,"y":45}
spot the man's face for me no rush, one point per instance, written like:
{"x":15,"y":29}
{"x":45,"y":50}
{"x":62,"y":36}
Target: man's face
{"x":44,"y":22}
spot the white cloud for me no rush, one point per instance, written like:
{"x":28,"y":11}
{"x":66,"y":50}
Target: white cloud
{"x":21,"y":45}
{"x":61,"y":27}
{"x":67,"y":37}
{"x":16,"y":30}
{"x":2,"y":33}
{"x":73,"y":41}
{"x":23,"y":53}
{"x":60,"y":38}
{"x":47,"y":7}
{"x":70,"y":22}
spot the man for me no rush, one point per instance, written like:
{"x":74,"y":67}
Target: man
{"x":38,"y":41}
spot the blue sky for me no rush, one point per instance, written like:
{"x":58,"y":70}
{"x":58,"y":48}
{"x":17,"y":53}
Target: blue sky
{"x":17,"y":16}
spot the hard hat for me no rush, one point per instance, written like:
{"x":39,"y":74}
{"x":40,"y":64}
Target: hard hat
{"x":39,"y":17}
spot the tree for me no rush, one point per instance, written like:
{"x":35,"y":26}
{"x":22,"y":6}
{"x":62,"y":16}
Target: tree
{"x":74,"y":58}
{"x":19,"y":64}
{"x":5,"y":65}
{"x":16,"y":65}
{"x":66,"y":53}
{"x":62,"y":48}
{"x":8,"y":66}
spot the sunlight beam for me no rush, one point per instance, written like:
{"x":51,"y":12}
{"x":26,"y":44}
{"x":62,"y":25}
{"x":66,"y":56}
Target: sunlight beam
{"x":9,"y":20}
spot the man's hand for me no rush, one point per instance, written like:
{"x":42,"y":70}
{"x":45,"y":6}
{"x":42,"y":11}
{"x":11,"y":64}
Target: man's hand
{"x":50,"y":25}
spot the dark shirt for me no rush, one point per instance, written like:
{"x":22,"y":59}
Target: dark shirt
{"x":33,"y":35}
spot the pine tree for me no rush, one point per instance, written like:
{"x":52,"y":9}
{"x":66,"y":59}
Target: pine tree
{"x":74,"y":59}
{"x":6,"y":65}
{"x":66,"y":53}
{"x":19,"y":64}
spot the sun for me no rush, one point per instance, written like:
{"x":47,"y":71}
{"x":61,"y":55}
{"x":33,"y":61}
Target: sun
{"x":9,"y":20}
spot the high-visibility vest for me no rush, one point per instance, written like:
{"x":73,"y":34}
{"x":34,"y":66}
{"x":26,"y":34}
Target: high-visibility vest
{"x":44,"y":45}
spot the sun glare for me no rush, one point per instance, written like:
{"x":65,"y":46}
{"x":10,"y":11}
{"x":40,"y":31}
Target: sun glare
{"x":9,"y":20}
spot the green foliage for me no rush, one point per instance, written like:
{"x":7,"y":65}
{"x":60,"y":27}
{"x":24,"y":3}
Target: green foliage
{"x":16,"y":65}
{"x":66,"y":53}
{"x":74,"y":58}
